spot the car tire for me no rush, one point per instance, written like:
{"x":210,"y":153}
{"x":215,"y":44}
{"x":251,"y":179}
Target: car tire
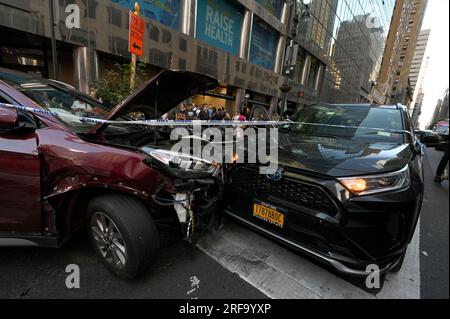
{"x":123,"y":234}
{"x":399,"y":265}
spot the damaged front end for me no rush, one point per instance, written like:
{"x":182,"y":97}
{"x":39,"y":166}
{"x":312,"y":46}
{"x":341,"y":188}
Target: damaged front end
{"x":190,"y":185}
{"x":193,"y":186}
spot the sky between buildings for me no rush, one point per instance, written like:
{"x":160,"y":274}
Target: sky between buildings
{"x":437,"y":78}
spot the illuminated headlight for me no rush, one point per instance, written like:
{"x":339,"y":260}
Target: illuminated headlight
{"x":365,"y":185}
{"x":184,"y":162}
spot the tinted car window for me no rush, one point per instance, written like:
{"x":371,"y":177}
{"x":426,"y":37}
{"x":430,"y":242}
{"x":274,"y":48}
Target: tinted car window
{"x":356,"y":122}
{"x":69,"y":105}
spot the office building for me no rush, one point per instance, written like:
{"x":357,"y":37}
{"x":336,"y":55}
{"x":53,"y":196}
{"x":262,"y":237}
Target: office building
{"x":418,"y":61}
{"x":394,"y":83}
{"x":240,"y":42}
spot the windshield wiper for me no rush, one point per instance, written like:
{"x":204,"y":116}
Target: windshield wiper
{"x":324,"y":135}
{"x":378,"y":133}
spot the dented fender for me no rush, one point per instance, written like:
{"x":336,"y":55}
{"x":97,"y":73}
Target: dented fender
{"x":76,"y":182}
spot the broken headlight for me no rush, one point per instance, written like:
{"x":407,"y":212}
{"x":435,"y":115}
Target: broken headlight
{"x":181,"y":165}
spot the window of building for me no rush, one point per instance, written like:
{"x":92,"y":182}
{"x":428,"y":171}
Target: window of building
{"x":115,"y":16}
{"x":313,"y":72}
{"x":297,"y":73}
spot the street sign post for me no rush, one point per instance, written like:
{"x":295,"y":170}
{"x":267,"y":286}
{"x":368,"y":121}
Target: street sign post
{"x":137,"y":27}
{"x":136,"y":41}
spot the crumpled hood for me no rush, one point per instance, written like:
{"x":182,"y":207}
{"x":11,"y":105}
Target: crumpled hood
{"x":341,"y":157}
{"x":160,"y":94}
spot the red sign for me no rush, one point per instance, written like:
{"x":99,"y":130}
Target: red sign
{"x":137,"y":28}
{"x":301,"y":94}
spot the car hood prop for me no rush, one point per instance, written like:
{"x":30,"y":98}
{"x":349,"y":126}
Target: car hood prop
{"x":160,"y":94}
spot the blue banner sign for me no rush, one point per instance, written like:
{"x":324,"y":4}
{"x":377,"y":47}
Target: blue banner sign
{"x":166,"y":12}
{"x":219,"y":23}
{"x":263,"y":45}
{"x":273,"y":6}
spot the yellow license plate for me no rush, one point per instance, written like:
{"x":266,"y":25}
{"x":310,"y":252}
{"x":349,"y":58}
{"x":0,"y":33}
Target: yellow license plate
{"x":268,"y":214}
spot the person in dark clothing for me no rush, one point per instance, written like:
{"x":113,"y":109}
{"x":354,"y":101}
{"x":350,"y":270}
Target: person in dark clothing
{"x":203,"y":115}
{"x":443,"y":147}
{"x":442,"y":165}
{"x":213,"y":113}
{"x":220,"y":115}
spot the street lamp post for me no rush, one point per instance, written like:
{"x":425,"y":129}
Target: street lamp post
{"x":53,"y":40}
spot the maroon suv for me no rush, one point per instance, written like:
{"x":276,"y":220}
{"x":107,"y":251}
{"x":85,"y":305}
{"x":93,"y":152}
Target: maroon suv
{"x":59,"y":174}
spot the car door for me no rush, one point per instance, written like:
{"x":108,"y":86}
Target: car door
{"x":20,"y":189}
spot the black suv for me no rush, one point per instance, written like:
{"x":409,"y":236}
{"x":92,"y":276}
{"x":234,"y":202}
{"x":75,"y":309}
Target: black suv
{"x":348,"y":189}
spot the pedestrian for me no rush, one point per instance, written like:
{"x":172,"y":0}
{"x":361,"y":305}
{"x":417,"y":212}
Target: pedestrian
{"x":275,"y":116}
{"x":220,"y":115}
{"x":444,"y":161}
{"x":203,"y":115}
{"x":190,"y":113}
{"x":210,"y":110}
{"x":242,"y":116}
{"x":213,"y":113}
{"x":196,"y":110}
{"x":247,"y":112}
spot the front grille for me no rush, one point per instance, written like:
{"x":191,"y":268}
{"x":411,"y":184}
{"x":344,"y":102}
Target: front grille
{"x":295,"y":191}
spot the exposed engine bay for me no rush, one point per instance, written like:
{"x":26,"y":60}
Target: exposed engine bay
{"x":191,"y":185}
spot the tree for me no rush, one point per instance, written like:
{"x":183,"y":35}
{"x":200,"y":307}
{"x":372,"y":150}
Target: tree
{"x":114,"y":87}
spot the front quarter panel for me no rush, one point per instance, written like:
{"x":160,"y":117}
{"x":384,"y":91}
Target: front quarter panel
{"x":70,"y":163}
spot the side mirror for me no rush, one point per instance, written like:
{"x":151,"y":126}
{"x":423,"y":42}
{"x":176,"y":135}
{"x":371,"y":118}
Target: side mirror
{"x":8,"y":118}
{"x":434,"y":140}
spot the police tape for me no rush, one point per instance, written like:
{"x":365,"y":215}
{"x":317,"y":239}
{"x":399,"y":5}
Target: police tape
{"x":163,"y":122}
{"x":159,"y":122}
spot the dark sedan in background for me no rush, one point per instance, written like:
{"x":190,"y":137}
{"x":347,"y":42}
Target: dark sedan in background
{"x":348,"y":189}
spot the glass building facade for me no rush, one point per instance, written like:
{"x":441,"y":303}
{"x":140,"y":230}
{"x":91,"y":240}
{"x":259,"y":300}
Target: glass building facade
{"x":348,"y":38}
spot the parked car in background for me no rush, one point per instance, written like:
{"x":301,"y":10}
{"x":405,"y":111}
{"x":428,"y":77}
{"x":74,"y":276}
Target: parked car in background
{"x":442,"y":127}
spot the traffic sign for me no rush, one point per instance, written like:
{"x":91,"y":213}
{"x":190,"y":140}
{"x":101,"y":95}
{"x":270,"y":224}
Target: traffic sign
{"x":137,"y":29}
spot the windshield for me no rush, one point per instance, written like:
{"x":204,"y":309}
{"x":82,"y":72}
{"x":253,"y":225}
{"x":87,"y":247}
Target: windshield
{"x":66,"y":102}
{"x":355,"y":122}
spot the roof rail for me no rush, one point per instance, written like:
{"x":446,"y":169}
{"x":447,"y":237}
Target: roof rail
{"x":401,"y":106}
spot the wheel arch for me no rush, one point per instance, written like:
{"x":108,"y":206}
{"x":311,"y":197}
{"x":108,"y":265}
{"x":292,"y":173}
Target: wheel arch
{"x":70,"y":207}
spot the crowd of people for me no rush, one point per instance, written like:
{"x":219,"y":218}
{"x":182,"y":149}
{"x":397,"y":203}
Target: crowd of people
{"x":207,"y":112}
{"x":204,"y":112}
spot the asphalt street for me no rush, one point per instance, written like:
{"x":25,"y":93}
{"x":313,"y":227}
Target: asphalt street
{"x":434,"y":239}
{"x":181,"y":272}
{"x":235,"y":263}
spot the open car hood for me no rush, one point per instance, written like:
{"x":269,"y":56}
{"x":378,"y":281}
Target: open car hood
{"x":160,"y":94}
